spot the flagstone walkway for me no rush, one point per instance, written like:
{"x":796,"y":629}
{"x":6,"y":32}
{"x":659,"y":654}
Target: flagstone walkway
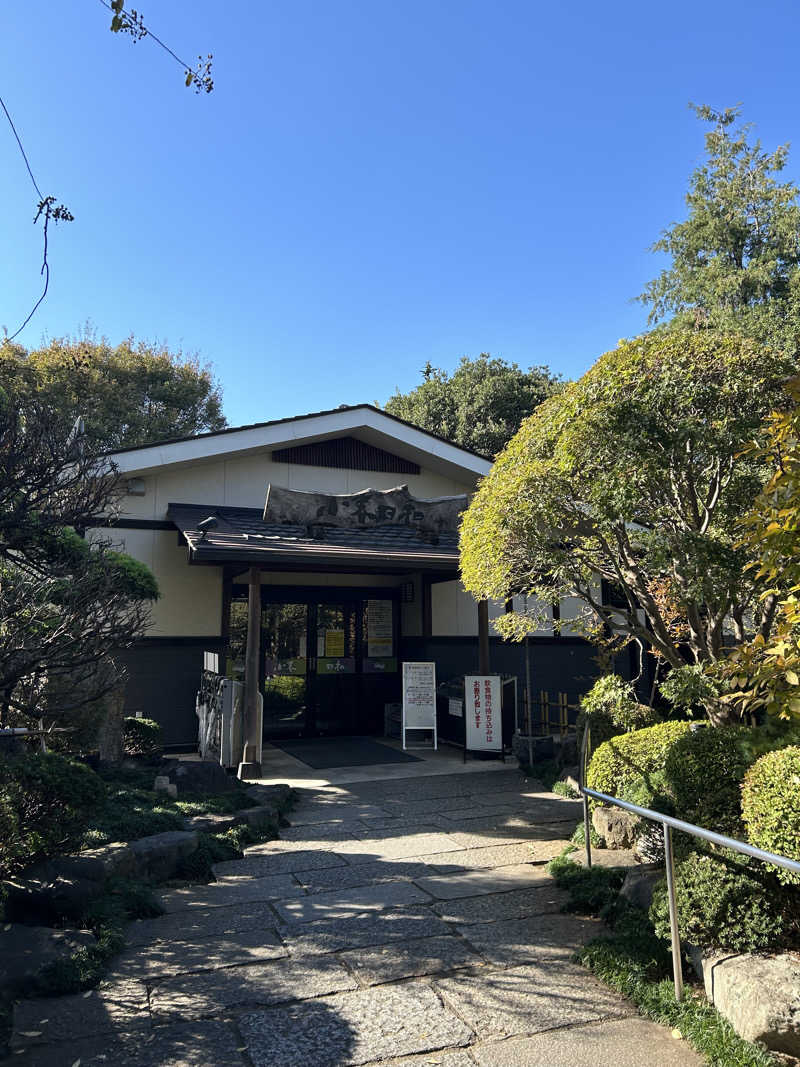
{"x":408,"y":921}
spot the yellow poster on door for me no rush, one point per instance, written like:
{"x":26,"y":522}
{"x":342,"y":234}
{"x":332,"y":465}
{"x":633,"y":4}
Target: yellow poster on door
{"x":334,"y":644}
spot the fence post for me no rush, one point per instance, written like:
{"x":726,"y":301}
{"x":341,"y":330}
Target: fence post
{"x":669,"y":861}
{"x":544,"y":707}
{"x":563,"y":714}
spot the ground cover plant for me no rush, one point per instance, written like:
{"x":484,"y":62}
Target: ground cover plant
{"x":632,"y":959}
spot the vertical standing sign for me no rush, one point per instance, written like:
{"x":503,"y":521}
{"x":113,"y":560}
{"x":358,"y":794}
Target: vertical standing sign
{"x":419,"y":699}
{"x":483,"y":713}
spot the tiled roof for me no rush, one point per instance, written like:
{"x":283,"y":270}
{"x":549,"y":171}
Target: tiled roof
{"x":241,"y":534}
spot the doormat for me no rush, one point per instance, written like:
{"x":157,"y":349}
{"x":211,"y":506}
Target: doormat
{"x":322,"y":753}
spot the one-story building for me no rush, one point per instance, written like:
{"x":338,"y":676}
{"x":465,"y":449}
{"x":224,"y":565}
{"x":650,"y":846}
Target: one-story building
{"x":338,"y":517}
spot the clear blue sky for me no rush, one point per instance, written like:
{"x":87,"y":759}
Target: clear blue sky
{"x":371,"y":185}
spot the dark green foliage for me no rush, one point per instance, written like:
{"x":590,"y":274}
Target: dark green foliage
{"x":579,"y":837}
{"x":219,"y":804}
{"x":545,"y":771}
{"x":45,"y":800}
{"x":637,"y":964}
{"x":771,"y":807}
{"x":217,"y":848}
{"x":633,"y":759}
{"x":142,"y":737}
{"x":592,"y":890}
{"x":704,"y":770}
{"x":480,"y":406}
{"x":123,"y":901}
{"x":611,"y":708}
{"x":128,"y":814}
{"x":564,"y":789}
{"x":725,"y":901}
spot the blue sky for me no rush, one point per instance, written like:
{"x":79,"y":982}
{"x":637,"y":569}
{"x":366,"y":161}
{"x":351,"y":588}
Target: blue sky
{"x":371,"y":185}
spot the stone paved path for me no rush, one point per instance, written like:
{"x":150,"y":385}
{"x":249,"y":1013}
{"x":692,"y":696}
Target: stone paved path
{"x":400,"y":922}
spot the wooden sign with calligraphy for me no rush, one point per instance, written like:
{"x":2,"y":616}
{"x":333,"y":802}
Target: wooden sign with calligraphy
{"x":370,"y":507}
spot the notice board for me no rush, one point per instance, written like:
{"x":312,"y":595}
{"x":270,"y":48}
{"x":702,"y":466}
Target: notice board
{"x":419,"y":698}
{"x":483,"y":713}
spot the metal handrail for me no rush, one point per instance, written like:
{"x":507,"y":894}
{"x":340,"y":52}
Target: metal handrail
{"x":670,"y":823}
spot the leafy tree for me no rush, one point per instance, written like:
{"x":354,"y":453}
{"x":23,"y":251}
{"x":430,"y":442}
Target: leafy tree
{"x":66,"y":605}
{"x":128,"y":395}
{"x":634,"y":476}
{"x":736,"y":258}
{"x":764,"y":673}
{"x":479,"y":406}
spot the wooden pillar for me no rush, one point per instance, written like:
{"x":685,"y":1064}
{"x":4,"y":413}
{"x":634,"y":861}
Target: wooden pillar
{"x":483,"y":637}
{"x":250,"y":767}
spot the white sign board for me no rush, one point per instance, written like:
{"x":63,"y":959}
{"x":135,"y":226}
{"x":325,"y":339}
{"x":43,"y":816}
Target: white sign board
{"x":456,"y":708}
{"x":380,"y":628}
{"x":419,"y":698}
{"x":483,"y":711}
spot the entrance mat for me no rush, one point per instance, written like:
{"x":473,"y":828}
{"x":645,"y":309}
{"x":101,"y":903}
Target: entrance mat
{"x":325,"y":752}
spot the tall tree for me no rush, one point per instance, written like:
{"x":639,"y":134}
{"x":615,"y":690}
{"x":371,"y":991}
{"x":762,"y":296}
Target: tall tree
{"x":735,"y":260}
{"x":66,"y":605}
{"x":130,"y":394}
{"x":480,"y":405}
{"x":634,"y":476}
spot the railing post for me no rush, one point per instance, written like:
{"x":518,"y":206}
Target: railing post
{"x":587,"y":830}
{"x":587,"y":824}
{"x":669,"y":862}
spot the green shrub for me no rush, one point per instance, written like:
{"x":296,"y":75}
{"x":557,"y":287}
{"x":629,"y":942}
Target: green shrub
{"x":724,"y":901}
{"x":634,"y":760}
{"x":771,"y":807}
{"x":591,"y":890}
{"x":578,"y":838}
{"x":704,"y":771}
{"x":45,"y":800}
{"x":142,"y":737}
{"x":128,"y":814}
{"x":564,"y":789}
{"x":690,"y":688}
{"x":610,"y":708}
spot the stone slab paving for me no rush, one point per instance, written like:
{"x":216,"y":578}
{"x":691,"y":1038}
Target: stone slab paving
{"x":364,"y":1027}
{"x":623,"y":1043}
{"x":196,"y":996}
{"x":204,"y":922}
{"x":403,"y":921}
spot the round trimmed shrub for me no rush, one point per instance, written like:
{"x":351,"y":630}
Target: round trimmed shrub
{"x":724,"y":901}
{"x":635,"y":760}
{"x":142,"y":737}
{"x":771,"y":807}
{"x":704,"y":770}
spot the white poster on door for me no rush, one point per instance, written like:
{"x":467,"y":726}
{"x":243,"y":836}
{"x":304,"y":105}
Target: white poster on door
{"x":419,"y":698}
{"x":483,"y":711}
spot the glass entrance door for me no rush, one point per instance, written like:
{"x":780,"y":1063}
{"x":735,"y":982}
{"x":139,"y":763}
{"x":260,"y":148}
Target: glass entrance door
{"x":336,"y":688}
{"x":284,"y":642}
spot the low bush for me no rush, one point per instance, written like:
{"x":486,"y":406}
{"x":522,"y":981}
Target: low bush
{"x":591,"y":890}
{"x":610,"y":708}
{"x":704,"y":770}
{"x":724,"y":901}
{"x":127,"y":814}
{"x":564,"y":789}
{"x":45,"y":801}
{"x":635,"y":760}
{"x":142,"y":737}
{"x":771,"y":807}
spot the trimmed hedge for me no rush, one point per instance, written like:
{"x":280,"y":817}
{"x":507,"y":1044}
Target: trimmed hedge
{"x":610,"y":708}
{"x":724,"y":901}
{"x":771,"y":807}
{"x":45,"y":801}
{"x":704,"y":770}
{"x":633,"y":759}
{"x":142,"y":737}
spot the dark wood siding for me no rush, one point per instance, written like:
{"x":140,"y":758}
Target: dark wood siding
{"x":346,"y":453}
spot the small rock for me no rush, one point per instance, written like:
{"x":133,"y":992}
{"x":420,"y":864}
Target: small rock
{"x":161,"y":783}
{"x":618,"y":828}
{"x":639,"y":884}
{"x":172,"y":790}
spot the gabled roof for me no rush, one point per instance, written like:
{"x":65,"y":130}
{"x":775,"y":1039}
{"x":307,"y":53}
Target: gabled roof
{"x":365,"y":421}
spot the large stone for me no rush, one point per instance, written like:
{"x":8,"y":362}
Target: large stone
{"x":97,"y":864}
{"x":619,"y":828}
{"x":211,"y":823}
{"x":758,"y":995}
{"x":281,"y":796}
{"x":639,"y":884}
{"x":117,"y":1005}
{"x":159,"y":856}
{"x":407,"y":959}
{"x":45,"y":895}
{"x":199,"y":776}
{"x":264,"y":817}
{"x":348,"y":903}
{"x":490,"y":880}
{"x":25,"y":950}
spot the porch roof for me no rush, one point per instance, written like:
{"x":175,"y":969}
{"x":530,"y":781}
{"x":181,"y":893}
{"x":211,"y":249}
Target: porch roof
{"x":242,"y":536}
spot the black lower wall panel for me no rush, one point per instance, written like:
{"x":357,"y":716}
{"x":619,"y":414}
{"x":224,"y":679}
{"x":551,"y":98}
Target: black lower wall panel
{"x":558,"y":664}
{"x":163,"y":678}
